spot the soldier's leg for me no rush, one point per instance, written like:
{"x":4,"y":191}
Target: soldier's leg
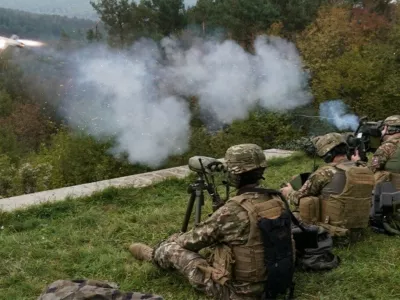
{"x":192,"y":265}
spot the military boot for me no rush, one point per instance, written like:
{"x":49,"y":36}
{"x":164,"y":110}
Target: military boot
{"x":141,"y":251}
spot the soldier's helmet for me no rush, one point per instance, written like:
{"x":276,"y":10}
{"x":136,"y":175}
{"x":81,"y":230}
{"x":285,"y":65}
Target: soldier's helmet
{"x":244,"y":157}
{"x":327,"y":142}
{"x":392,"y":121}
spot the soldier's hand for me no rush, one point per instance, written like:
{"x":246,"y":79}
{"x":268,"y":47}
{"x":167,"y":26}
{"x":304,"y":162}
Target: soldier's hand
{"x":356,"y":156}
{"x":286,"y":190}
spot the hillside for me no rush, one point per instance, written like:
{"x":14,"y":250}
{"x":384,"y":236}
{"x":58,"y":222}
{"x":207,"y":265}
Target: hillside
{"x":36,"y":26}
{"x":88,"y":238}
{"x":70,"y":8}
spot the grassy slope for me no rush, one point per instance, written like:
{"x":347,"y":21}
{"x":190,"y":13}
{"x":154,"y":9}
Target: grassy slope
{"x":88,"y":238}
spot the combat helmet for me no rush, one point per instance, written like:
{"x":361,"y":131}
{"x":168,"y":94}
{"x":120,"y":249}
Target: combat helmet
{"x":327,"y":142}
{"x":244,"y":157}
{"x":392,"y":121}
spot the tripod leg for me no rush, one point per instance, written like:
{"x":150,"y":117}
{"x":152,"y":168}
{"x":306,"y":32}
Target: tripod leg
{"x":188,"y":212}
{"x":199,"y":204}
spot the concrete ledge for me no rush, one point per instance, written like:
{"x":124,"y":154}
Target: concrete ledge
{"x":138,"y":180}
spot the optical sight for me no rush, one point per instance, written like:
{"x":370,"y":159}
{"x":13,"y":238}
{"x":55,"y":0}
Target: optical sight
{"x":210,"y":164}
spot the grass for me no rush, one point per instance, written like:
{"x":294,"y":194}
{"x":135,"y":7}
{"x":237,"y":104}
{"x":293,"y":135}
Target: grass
{"x":89,"y":237}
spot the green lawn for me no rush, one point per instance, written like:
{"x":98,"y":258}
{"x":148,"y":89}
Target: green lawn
{"x":88,"y":238}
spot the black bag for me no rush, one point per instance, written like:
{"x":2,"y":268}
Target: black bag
{"x":320,"y":258}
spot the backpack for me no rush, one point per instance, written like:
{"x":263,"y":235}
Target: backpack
{"x":88,"y":289}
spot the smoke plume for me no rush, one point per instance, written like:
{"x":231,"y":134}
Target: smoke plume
{"x":229,"y":81}
{"x":336,"y":113}
{"x":140,"y":95}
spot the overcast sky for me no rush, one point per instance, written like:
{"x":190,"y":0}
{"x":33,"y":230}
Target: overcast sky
{"x":190,"y":2}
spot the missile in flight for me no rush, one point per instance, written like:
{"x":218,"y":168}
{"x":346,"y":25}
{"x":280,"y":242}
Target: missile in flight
{"x":15,"y":41}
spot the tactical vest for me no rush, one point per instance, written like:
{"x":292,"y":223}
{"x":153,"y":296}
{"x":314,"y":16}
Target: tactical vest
{"x":249,"y":258}
{"x":346,"y":200}
{"x":393,"y":166}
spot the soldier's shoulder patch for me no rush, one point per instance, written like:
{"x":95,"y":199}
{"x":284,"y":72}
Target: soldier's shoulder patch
{"x":375,"y":161}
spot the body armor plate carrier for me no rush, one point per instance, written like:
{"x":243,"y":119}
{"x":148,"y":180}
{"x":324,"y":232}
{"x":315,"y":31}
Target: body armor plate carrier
{"x":270,"y":241}
{"x":346,"y":199}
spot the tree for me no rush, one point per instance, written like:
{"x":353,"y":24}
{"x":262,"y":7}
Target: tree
{"x":117,"y":16}
{"x":349,"y":54}
{"x":295,"y":15}
{"x":94,"y":35}
{"x":170,"y":14}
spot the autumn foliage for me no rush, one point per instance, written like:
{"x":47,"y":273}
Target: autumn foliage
{"x":352,"y":55}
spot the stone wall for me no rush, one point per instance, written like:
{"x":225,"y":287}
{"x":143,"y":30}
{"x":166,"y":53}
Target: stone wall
{"x":138,"y":180}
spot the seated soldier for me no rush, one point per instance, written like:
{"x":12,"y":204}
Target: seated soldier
{"x":236,"y":269}
{"x":336,"y":196}
{"x":385,"y":162}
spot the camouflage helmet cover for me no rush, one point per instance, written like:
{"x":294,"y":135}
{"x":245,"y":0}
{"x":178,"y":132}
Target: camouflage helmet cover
{"x":327,"y":142}
{"x":244,"y":157}
{"x":392,"y":121}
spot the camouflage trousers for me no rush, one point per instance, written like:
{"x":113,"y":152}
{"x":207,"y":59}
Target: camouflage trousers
{"x":169,"y":255}
{"x":90,"y":289}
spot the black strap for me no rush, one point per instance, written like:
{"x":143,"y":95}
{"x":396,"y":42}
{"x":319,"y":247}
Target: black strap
{"x":276,"y":193}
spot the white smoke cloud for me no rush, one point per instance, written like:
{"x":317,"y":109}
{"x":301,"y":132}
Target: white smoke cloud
{"x":118,"y":95}
{"x":229,"y":81}
{"x":136,"y":94}
{"x":336,"y":113}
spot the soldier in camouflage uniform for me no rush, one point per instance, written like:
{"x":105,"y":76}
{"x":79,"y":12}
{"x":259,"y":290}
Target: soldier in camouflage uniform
{"x":328,"y":184}
{"x":385,"y":162}
{"x":321,"y":177}
{"x":236,"y":268}
{"x":90,"y":290}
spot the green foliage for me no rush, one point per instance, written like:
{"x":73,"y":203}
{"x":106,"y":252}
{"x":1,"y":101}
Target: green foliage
{"x":127,"y":21}
{"x":78,"y":158}
{"x":170,"y":15}
{"x":7,"y":175}
{"x":9,"y":144}
{"x":352,"y":54}
{"x":117,"y":16}
{"x":6,"y":104}
{"x":263,"y":128}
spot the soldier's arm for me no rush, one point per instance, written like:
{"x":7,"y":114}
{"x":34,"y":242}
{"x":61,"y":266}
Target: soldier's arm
{"x":225,"y":224}
{"x":313,"y":186}
{"x":381,"y":156}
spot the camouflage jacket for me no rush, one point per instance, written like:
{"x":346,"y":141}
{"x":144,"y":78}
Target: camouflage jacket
{"x":90,"y":289}
{"x":315,"y":183}
{"x":383,"y":154}
{"x":223,"y":227}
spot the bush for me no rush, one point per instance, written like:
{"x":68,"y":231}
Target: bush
{"x":76,"y":158}
{"x":7,"y":176}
